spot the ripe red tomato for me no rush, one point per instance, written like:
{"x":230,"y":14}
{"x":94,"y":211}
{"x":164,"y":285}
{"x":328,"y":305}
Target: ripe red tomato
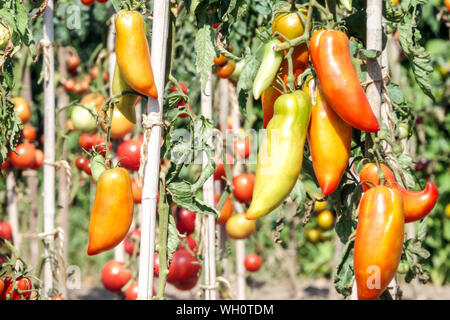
{"x":129,"y":241}
{"x":28,"y":132}
{"x":87,"y":167}
{"x":243,"y":187}
{"x":220,"y":167}
{"x":23,"y":285}
{"x":132,"y":291}
{"x":252,"y":262}
{"x":5,"y":165}
{"x":129,"y":154}
{"x":183,"y":87}
{"x":100,"y":144}
{"x":38,"y":160}
{"x":2,"y":285}
{"x":79,"y":162}
{"x":216,"y":25}
{"x":192,"y":244}
{"x":183,"y":270}
{"x":69,"y":85}
{"x":74,"y":61}
{"x":86,"y":141}
{"x":5,"y":230}
{"x":242,"y":148}
{"x":24,"y":159}
{"x":114,"y":275}
{"x":185,"y":221}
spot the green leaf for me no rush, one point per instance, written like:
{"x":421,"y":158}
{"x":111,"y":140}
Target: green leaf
{"x":173,"y":236}
{"x":204,"y":49}
{"x":395,"y":94}
{"x":246,"y":79}
{"x":181,"y":193}
{"x":343,"y":279}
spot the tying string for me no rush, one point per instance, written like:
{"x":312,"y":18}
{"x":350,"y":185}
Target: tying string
{"x":62,"y":164}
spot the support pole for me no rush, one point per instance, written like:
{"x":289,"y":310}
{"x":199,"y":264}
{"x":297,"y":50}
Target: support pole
{"x":49,"y":144}
{"x":208,"y":197}
{"x":160,"y":33}
{"x":13,"y":212}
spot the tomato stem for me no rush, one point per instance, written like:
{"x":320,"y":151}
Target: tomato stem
{"x":163,"y":233}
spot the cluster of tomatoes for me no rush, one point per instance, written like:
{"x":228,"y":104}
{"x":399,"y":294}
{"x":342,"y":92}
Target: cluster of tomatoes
{"x":80,"y":84}
{"x":325,"y":221}
{"x":26,"y":155}
{"x":225,"y":67}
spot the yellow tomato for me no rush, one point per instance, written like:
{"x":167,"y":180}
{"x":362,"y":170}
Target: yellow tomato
{"x":313,"y":235}
{"x":325,"y":220}
{"x":120,"y":126}
{"x":238,"y":227}
{"x":447,"y":210}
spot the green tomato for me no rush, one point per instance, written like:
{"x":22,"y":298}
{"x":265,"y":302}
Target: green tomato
{"x":83,"y":118}
{"x":5,"y":35}
{"x":403,"y":267}
{"x":403,"y":131}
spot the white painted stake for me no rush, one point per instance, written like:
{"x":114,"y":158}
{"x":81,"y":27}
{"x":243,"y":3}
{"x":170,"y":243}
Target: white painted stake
{"x":208,"y":197}
{"x":240,"y":244}
{"x":160,"y":33}
{"x":49,"y":144}
{"x":13,"y":212}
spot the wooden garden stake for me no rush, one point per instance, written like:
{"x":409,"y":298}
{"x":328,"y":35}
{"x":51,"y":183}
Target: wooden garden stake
{"x":49,"y":144}
{"x":13,"y":212}
{"x":208,"y":197}
{"x":160,"y":33}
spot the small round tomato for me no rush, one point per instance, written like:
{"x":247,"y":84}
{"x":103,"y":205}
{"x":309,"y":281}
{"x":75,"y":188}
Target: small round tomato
{"x":38,"y":160}
{"x":227,"y":209}
{"x":325,"y":220}
{"x":216,"y":25}
{"x":87,"y":167}
{"x":23,"y":291}
{"x":69,"y":125}
{"x":289,"y":24}
{"x":69,"y":85}
{"x":191,"y":243}
{"x":183,"y":268}
{"x":313,"y":235}
{"x":74,"y":61}
{"x":226,"y":71}
{"x":183,"y":87}
{"x":83,"y":117}
{"x":132,"y":291}
{"x":156,"y":265}
{"x":94,"y":72}
{"x":5,"y":230}
{"x":114,"y":275}
{"x":129,"y":154}
{"x":242,"y":148}
{"x":22,"y":107}
{"x":185,"y":221}
{"x":220,"y":61}
{"x":24,"y":159}
{"x":238,"y":227}
{"x":120,"y":126}
{"x":86,"y":141}
{"x":220,"y":167}
{"x":252,"y":262}
{"x":29,"y":133}
{"x":130,"y":241}
{"x":136,"y":189}
{"x":79,"y":162}
{"x":243,"y":187}
{"x":57,"y":298}
{"x":447,"y":210}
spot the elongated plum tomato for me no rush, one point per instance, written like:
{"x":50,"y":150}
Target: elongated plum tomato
{"x":24,"y":159}
{"x":5,"y":230}
{"x":136,"y":189}
{"x":227,"y":209}
{"x":112,"y":212}
{"x":38,"y":160}
{"x":252,"y":262}
{"x":22,"y":107}
{"x":243,"y":187}
{"x":129,"y":154}
{"x":114,"y":275}
{"x":238,"y":227}
{"x":130,"y":241}
{"x":22,"y":292}
{"x":185,"y":221}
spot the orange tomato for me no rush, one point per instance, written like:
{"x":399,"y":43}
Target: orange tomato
{"x":136,"y":189}
{"x":120,"y":125}
{"x":22,"y":107}
{"x":227,"y":209}
{"x":112,"y":212}
{"x":220,"y":61}
{"x":289,"y":24}
{"x":238,"y":227}
{"x":226,"y":71}
{"x":28,"y":132}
